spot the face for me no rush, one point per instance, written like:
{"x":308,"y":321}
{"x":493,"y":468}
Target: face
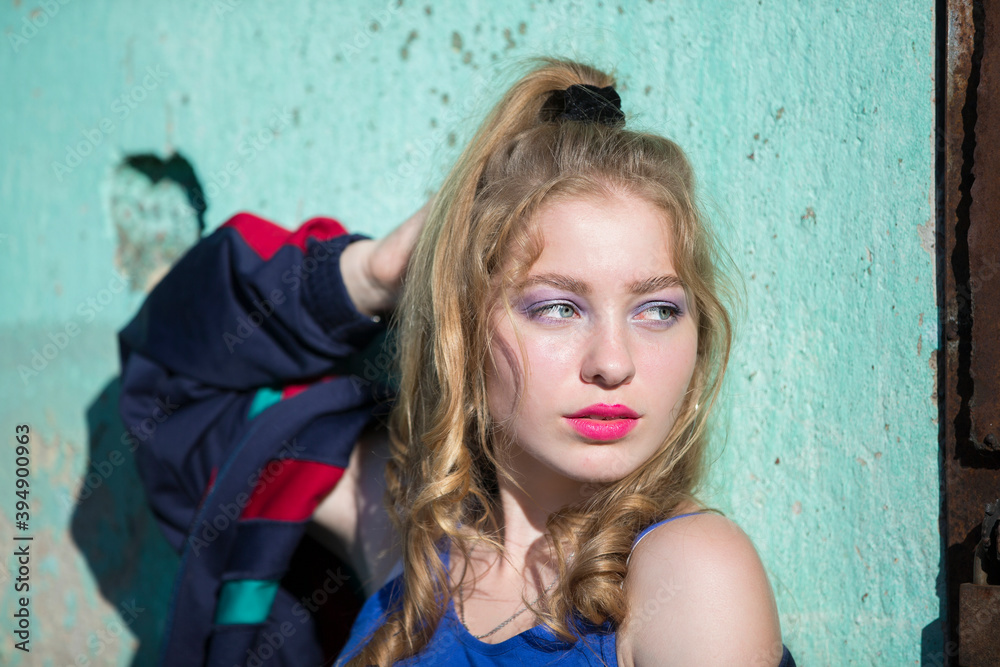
{"x":609,"y":343}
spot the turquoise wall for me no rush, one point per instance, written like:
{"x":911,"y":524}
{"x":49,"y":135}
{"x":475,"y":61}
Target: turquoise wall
{"x":810,"y":125}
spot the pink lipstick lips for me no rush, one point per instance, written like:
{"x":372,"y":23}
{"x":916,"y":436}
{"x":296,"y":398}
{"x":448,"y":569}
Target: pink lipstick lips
{"x":603,"y":422}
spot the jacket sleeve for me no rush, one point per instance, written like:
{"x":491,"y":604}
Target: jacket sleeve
{"x":253,"y":304}
{"x":251,"y":311}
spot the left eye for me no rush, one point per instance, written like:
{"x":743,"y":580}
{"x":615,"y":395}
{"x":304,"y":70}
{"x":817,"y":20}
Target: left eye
{"x":659,"y":313}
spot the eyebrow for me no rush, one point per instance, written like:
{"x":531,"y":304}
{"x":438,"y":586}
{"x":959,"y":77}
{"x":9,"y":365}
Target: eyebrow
{"x":559,"y":281}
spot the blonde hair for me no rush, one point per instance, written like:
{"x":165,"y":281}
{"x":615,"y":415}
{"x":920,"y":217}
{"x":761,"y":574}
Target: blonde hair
{"x":477,"y":243}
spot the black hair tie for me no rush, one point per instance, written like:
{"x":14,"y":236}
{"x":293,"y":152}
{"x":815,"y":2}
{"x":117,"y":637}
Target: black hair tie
{"x":586,"y":103}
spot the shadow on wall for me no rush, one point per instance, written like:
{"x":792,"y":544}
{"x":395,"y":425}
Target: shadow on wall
{"x":933,"y":651}
{"x":115,"y":530}
{"x":157,"y":210}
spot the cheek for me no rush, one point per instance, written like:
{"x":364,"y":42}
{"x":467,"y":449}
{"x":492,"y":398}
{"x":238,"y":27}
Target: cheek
{"x":547,"y":357}
{"x":669,"y":371}
{"x":502,"y":378}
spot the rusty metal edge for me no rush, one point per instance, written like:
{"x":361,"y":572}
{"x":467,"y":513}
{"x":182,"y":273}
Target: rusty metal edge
{"x":961,"y":511}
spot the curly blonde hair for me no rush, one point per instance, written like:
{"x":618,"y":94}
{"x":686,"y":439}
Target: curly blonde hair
{"x":478,"y":242}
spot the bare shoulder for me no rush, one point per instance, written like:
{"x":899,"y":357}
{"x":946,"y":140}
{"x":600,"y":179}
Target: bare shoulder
{"x":698,"y":594}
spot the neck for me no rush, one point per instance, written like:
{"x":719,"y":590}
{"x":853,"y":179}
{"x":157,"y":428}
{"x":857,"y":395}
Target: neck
{"x":528,"y":504}
{"x":527,"y":569}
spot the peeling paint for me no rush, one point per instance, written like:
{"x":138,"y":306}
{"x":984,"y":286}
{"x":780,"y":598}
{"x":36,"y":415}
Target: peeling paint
{"x":509,"y":40}
{"x":404,"y":52}
{"x":926,"y":234}
{"x":154,"y":223}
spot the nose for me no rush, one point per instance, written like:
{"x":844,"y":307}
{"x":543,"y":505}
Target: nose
{"x":608,"y":360}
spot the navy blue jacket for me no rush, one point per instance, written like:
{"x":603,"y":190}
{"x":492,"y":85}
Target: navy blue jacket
{"x":247,"y":376}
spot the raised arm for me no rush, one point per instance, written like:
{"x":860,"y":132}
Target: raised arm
{"x":352,"y":521}
{"x":254,"y":305}
{"x":251,"y":315}
{"x":373,"y":271}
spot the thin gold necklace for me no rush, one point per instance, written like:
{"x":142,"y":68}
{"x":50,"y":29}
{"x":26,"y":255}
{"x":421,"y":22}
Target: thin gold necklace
{"x":523,"y":608}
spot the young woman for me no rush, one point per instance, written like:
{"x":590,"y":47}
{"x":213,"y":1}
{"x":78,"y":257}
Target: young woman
{"x":561,"y":336}
{"x":562,"y":339}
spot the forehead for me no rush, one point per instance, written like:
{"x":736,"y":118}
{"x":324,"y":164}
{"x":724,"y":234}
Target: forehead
{"x":621,"y":237}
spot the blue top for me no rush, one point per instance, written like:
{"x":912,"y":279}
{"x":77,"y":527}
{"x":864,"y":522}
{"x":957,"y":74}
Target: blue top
{"x":452,"y":645}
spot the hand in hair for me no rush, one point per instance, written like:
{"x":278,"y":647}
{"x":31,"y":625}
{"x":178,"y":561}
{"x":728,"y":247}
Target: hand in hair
{"x":373,"y":270}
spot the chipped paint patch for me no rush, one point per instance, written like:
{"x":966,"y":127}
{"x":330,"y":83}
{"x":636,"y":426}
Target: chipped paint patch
{"x":154,"y":223}
{"x":926,"y":234}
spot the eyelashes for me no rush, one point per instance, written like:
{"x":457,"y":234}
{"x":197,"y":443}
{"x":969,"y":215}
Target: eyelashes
{"x":663,"y":312}
{"x":672,"y":311}
{"x":553,"y":311}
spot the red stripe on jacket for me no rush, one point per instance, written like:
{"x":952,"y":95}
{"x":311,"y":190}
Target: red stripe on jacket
{"x":267,"y":238}
{"x":289,"y":489}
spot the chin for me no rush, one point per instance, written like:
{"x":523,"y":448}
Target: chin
{"x":602,"y":471}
